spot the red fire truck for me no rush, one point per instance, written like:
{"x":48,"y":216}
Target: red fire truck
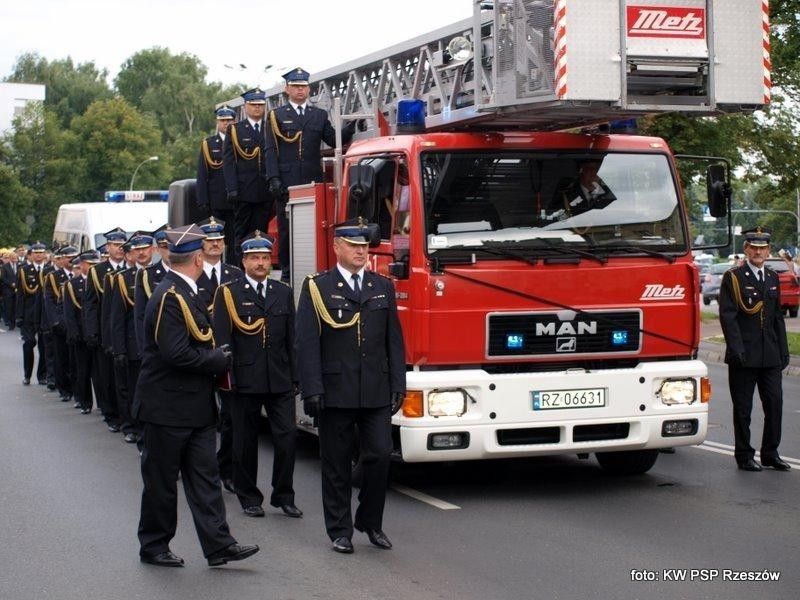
{"x":544,"y":278}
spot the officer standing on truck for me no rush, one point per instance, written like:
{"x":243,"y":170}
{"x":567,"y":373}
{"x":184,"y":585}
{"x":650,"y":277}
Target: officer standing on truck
{"x":351,"y":361}
{"x":255,"y":316}
{"x":242,"y":164}
{"x":292,"y":150}
{"x":757,"y":349}
{"x":212,"y":198}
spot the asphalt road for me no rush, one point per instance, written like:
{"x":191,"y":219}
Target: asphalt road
{"x":553,"y":528}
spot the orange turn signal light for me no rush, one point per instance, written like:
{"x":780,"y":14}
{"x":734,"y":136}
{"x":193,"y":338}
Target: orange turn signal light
{"x":705,"y":389}
{"x":412,"y":405}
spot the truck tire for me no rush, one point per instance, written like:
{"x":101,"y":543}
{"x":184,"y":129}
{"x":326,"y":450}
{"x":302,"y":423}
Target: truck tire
{"x":793,"y":312}
{"x":706,"y":300}
{"x":632,"y":462}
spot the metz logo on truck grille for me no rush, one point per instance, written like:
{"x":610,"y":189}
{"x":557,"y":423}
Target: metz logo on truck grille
{"x":656,"y":291}
{"x":666,"y":22}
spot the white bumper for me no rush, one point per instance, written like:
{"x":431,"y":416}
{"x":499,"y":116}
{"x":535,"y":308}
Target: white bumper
{"x":500,"y":421}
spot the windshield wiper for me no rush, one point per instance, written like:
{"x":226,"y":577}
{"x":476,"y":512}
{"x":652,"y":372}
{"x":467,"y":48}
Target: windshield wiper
{"x":573,"y":251}
{"x":638,"y":249}
{"x":504,"y":252}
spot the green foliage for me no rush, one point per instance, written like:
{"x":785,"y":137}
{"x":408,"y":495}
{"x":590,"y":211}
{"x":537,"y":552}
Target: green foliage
{"x":70,"y":89}
{"x":114,"y":138}
{"x":15,"y":205}
{"x":785,"y":45}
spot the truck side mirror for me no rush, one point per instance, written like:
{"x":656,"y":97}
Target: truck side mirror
{"x":361,"y":191}
{"x":399,"y":269}
{"x":718,"y":190}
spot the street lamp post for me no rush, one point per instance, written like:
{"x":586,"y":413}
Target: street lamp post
{"x":136,"y":170}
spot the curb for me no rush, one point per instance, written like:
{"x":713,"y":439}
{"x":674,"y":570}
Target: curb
{"x":715,"y":352}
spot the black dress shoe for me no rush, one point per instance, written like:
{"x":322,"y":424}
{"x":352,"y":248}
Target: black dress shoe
{"x":42,"y":383}
{"x":26,"y":381}
{"x":131,"y":438}
{"x":377,"y":538}
{"x":66,"y":398}
{"x":51,"y":387}
{"x":254,"y":511}
{"x":76,"y":405}
{"x":113,"y":428}
{"x":228,"y":485}
{"x":232,"y":552}
{"x":290,"y":510}
{"x":164,"y":559}
{"x":749,"y":465}
{"x":776,"y":463}
{"x":343,"y":545}
{"x":86,"y":411}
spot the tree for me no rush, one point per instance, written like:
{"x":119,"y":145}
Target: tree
{"x":15,"y":206}
{"x":70,"y":89}
{"x":46,"y":160}
{"x":113,"y":139}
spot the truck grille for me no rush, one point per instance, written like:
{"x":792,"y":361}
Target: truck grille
{"x":548,"y":334}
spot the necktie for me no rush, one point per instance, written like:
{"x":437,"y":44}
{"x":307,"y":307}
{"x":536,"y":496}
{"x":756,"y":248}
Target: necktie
{"x":761,"y":279}
{"x":214,"y":280}
{"x":300,"y":110}
{"x":257,"y":127}
{"x":356,"y":287}
{"x":260,"y":290}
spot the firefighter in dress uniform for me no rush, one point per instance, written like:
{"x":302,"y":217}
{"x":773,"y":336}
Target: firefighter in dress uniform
{"x":124,"y":345}
{"x":215,"y":273}
{"x":174,"y":401}
{"x":97,"y":322}
{"x":54,"y":306}
{"x":242,"y":165}
{"x":212,"y":198}
{"x":74,"y":291}
{"x":255,"y":316}
{"x":292,"y":151}
{"x":147,"y":279}
{"x":352,"y":370}
{"x":756,"y":350}
{"x":28,"y":285}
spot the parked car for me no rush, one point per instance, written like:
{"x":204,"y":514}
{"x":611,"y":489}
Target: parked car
{"x":790,"y":287}
{"x":711,"y":281}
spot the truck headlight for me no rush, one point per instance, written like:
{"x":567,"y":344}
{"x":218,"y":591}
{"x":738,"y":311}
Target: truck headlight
{"x":447,"y":403}
{"x":677,"y":391}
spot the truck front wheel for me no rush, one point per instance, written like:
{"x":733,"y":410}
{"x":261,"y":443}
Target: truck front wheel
{"x":632,"y":462}
{"x":793,"y":312}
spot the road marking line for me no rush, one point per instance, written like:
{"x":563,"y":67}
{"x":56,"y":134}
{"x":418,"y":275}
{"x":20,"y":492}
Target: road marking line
{"x":423,"y":497}
{"x":728,"y":450}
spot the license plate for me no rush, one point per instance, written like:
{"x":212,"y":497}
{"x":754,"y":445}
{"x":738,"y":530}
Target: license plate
{"x":552,"y":399}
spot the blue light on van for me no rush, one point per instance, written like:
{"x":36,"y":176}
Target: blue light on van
{"x":410,"y":116}
{"x":137,"y":196}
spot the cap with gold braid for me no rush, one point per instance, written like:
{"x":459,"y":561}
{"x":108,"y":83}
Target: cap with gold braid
{"x":185,"y":239}
{"x":758,"y":237}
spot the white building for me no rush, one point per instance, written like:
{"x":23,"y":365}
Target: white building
{"x":14,"y":97}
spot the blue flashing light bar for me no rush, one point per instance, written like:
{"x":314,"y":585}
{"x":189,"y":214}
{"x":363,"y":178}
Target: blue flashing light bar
{"x":137,"y":196}
{"x":410,"y":116}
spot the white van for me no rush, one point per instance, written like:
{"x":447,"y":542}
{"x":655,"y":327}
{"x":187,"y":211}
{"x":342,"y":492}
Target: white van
{"x":83,"y":224}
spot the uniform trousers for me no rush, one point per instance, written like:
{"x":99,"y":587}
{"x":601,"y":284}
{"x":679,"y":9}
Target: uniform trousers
{"x":49,"y":355}
{"x":29,"y":342}
{"x":125,"y":378}
{"x":83,"y":374}
{"x":225,"y":428}
{"x":742,"y":382}
{"x":337,"y":438}
{"x":61,"y":363}
{"x":190,"y":451}
{"x":245,"y":415}
{"x":247,"y":217}
{"x":9,"y":302}
{"x":103,"y":380}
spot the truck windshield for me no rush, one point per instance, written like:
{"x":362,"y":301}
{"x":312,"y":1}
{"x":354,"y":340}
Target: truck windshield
{"x":605,"y":202}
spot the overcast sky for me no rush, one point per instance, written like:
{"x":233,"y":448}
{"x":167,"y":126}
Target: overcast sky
{"x":313,"y":34}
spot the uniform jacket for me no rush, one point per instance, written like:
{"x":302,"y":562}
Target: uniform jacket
{"x":176,"y":381}
{"x":147,"y":280}
{"x":53,"y":301}
{"x":242,"y":175}
{"x":760,"y":336}
{"x":121,"y":328}
{"x":74,"y":291}
{"x":263,"y":360}
{"x":298,"y":162}
{"x":109,"y":291}
{"x":8,"y":279}
{"x":42,"y":315}
{"x":206,"y":290}
{"x":93,"y":297}
{"x":27,"y":294}
{"x":210,"y":189}
{"x":357,"y":366}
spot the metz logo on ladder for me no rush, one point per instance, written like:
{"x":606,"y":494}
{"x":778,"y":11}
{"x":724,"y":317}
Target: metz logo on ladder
{"x":666,"y":22}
